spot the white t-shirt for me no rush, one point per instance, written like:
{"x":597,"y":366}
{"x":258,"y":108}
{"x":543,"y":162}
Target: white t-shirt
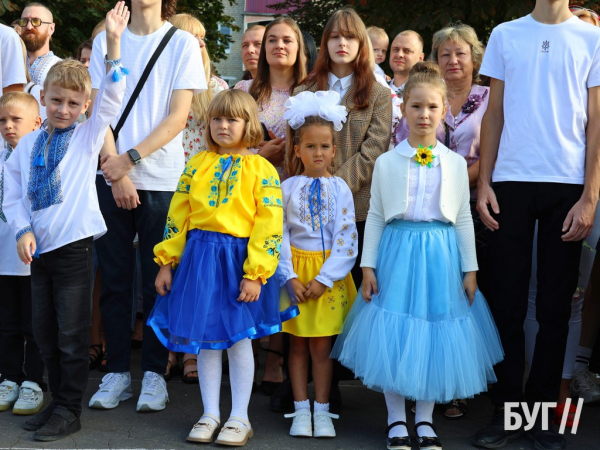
{"x":178,"y":67}
{"x":547,"y":71}
{"x":12,"y":64}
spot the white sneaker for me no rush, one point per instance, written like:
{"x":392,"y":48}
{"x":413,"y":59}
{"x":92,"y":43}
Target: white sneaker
{"x":9,"y":393}
{"x":585,"y":387}
{"x":302,"y":424}
{"x":154,"y":396}
{"x":31,"y":399}
{"x":115,"y":388}
{"x":323,"y":423}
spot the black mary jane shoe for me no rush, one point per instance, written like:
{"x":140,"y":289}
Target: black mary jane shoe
{"x":428,"y":442}
{"x":398,"y":443}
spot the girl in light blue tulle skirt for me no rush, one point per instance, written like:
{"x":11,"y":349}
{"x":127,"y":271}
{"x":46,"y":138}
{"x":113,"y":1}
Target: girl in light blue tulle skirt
{"x":419,"y":327}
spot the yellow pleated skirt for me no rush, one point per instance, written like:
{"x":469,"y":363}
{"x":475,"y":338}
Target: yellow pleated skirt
{"x":325,"y":315}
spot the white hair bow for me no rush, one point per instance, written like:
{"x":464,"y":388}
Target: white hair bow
{"x":324,"y":104}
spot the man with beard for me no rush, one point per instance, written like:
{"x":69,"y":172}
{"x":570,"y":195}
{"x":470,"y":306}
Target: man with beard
{"x":37,"y":27}
{"x":406,"y":51}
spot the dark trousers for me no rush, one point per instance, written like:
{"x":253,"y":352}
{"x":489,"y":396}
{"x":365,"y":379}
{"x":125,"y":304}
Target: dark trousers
{"x":510,"y":249}
{"x":116,"y":258}
{"x":357,"y":270}
{"x":61,"y":288}
{"x":17,"y":343}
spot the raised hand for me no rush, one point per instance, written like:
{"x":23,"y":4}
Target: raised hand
{"x":117,"y":20}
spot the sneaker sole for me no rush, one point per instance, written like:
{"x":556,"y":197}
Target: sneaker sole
{"x":301,"y":433}
{"x":58,"y":436}
{"x":500,"y":444}
{"x":145,"y":407}
{"x":6,"y":407}
{"x":323,"y":435}
{"x":27,"y":411}
{"x":98,"y":404}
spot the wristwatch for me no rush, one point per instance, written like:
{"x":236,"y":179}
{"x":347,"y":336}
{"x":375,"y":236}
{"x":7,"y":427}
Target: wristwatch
{"x":134,"y":155}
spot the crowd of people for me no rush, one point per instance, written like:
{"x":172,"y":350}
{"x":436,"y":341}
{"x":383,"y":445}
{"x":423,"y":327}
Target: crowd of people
{"x":431,"y":233}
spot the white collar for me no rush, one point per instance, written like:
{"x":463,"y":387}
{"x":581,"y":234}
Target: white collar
{"x":394,"y":87}
{"x":346,"y":81}
{"x":404,"y":149}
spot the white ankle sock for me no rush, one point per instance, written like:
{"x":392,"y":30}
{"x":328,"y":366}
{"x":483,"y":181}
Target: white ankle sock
{"x":396,"y":412}
{"x":304,"y":404}
{"x":210,"y":368}
{"x":241,"y":374}
{"x":424,"y":413}
{"x":583,"y":359}
{"x":321,"y":406}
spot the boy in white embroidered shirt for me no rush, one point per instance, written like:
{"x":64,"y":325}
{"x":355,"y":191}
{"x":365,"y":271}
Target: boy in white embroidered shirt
{"x":51,"y":205}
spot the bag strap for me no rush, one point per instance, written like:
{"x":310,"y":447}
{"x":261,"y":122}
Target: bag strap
{"x":163,"y":43}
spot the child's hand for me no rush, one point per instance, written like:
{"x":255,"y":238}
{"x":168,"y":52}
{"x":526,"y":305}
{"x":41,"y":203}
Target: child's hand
{"x":26,"y":247}
{"x":116,"y":20}
{"x":249,"y":290}
{"x":314,"y":289}
{"x":164,"y":280}
{"x":299,"y":290}
{"x":470,"y":285}
{"x":369,"y":284}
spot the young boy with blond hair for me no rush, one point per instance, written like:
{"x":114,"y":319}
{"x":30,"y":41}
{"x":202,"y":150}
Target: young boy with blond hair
{"x":19,"y":115}
{"x":52,"y":207}
{"x":380,"y":42}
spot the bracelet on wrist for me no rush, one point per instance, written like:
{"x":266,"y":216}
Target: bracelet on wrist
{"x":113,"y":62}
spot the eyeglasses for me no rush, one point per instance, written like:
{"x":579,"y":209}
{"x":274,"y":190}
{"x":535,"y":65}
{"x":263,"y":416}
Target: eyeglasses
{"x":35,"y":22}
{"x":581,"y":8}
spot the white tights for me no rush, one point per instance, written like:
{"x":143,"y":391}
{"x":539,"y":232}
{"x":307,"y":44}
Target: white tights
{"x":397,"y":412}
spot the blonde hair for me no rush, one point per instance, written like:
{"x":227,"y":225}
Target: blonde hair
{"x":200,"y":102}
{"x":584,"y":13}
{"x":426,"y":73}
{"x":99,"y":28}
{"x":69,"y":74}
{"x":292,"y":164}
{"x":27,"y":76}
{"x":376,"y":32}
{"x":235,"y":103}
{"x":460,"y":32}
{"x":22,"y":99}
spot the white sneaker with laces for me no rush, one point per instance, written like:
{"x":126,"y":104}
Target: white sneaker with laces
{"x":323,"y":424}
{"x":31,"y":399}
{"x":302,"y":424}
{"x":154,"y":396}
{"x":9,"y":393}
{"x":115,"y":388}
{"x":585,"y":387}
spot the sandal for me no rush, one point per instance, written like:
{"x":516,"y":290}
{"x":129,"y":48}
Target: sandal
{"x":461,"y":405}
{"x":102,"y":367}
{"x":189,"y":369}
{"x":269,"y":387}
{"x":95,"y":354}
{"x":428,"y":442}
{"x":172,"y":367}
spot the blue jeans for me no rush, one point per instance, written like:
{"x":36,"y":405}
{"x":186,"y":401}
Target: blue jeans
{"x":116,"y":257}
{"x":61,"y":292}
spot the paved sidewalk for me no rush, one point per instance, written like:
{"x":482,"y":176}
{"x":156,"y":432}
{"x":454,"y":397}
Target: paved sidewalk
{"x":361,"y":425}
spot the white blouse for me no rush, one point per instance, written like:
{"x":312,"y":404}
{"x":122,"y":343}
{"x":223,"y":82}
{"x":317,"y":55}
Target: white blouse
{"x":304,"y":218}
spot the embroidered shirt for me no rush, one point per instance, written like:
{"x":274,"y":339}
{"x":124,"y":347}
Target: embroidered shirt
{"x":304,"y":220}
{"x":40,"y":67}
{"x":50,"y":180}
{"x":231,"y":194}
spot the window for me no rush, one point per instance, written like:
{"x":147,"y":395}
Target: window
{"x":224,"y":29}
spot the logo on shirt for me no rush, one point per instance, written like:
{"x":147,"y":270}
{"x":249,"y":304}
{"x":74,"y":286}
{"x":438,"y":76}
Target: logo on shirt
{"x":545,"y":46}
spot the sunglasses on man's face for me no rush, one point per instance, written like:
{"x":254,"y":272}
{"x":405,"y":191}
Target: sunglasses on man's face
{"x":581,"y":8}
{"x":35,"y":22}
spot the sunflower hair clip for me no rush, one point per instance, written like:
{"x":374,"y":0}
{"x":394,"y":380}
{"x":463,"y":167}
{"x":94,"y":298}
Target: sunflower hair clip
{"x":424,"y":156}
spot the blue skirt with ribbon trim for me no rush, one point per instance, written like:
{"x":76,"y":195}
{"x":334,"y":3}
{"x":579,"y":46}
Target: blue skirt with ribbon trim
{"x":418,"y":336}
{"x":201,"y":311}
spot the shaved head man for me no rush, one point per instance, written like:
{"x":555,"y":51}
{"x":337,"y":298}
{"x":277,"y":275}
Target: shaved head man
{"x":406,"y":50}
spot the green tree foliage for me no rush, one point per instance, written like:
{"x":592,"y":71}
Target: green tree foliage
{"x":75,"y":20}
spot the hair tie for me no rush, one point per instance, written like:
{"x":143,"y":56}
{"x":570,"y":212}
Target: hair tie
{"x":324,"y":104}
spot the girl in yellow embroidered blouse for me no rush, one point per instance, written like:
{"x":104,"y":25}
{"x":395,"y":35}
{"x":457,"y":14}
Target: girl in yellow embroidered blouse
{"x":223,"y":237}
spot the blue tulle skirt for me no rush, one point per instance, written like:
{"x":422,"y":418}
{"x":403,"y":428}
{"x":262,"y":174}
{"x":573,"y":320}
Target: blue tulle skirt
{"x":419,"y":337}
{"x":201,"y":311}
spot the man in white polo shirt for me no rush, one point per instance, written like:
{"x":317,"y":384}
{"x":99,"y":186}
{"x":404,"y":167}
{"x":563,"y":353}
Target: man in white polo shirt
{"x":540,"y":142}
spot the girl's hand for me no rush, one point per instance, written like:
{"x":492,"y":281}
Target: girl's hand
{"x":369,"y":284}
{"x":163,"y":280}
{"x":249,"y":290}
{"x":116,"y":20}
{"x":314,"y":289}
{"x":470,"y":285}
{"x":299,"y":290}
{"x":26,"y":247}
{"x":273,"y":150}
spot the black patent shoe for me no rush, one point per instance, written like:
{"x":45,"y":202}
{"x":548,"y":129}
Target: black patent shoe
{"x":428,"y":442}
{"x":61,"y":424}
{"x":545,"y":439}
{"x":398,"y":443}
{"x":39,"y":420}
{"x":495,"y":435}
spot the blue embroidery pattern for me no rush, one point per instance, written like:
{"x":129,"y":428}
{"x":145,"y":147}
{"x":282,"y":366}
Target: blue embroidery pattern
{"x":273,"y":245}
{"x":327,"y":206}
{"x":38,"y":67}
{"x":220,"y":194}
{"x":6,"y":156}
{"x":271,"y":183}
{"x":272,"y":202}
{"x":44,"y":189}
{"x":170,"y":229}
{"x":27,"y":229}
